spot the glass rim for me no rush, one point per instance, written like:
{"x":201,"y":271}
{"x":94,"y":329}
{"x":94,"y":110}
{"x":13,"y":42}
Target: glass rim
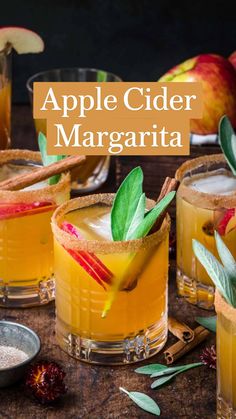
{"x":103,"y":246}
{"x":33,"y":78}
{"x":222,"y":307}
{"x":198,"y":198}
{"x":47,"y":192}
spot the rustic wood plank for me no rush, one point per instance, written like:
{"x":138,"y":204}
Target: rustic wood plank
{"x":93,"y":391}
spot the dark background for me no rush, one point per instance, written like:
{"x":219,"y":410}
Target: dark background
{"x":138,"y":40}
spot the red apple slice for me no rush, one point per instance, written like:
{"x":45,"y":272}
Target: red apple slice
{"x":227,"y":222}
{"x":87,"y":260}
{"x":21,"y":210}
{"x":22,"y":40}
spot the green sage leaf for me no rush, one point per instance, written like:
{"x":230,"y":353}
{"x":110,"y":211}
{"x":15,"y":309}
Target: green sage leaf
{"x":226,"y":257}
{"x":207,"y":322}
{"x":167,"y":371}
{"x":149,"y":220}
{"x":138,"y":217}
{"x":227,"y":140}
{"x":163,"y":380}
{"x":143,"y":401}
{"x":215,"y":270}
{"x":125,"y":204}
{"x":151,"y":369}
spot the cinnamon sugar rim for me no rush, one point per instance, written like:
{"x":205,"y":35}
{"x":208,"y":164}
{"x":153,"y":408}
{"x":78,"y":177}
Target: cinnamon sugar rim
{"x":203,"y":199}
{"x":46,"y":193}
{"x":103,"y":247}
{"x":222,"y":307}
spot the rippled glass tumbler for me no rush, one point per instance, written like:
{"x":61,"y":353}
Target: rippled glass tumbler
{"x":127,"y":279}
{"x":198,"y":215}
{"x":226,"y":359}
{"x":94,"y":171}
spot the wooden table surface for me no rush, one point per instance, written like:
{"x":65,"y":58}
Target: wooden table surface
{"x":93,"y":391}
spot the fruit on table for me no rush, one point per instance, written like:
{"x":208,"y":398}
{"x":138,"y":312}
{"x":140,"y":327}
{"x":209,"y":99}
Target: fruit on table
{"x":232,"y":59}
{"x":87,"y":260}
{"x":21,"y":210}
{"x":218,"y":78}
{"x":22,"y":40}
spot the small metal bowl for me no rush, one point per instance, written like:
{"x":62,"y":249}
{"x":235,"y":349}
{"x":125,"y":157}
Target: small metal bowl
{"x":20,"y":337}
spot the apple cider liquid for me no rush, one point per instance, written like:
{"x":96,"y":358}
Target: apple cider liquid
{"x":206,"y":202}
{"x":135,"y":326}
{"x":26,"y":251}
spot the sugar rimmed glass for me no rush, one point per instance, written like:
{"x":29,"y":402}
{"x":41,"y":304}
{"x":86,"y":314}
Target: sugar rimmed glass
{"x":226,"y":358}
{"x":198,"y":215}
{"x":135,"y":328}
{"x":26,"y":245}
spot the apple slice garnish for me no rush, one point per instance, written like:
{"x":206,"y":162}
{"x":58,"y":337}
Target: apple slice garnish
{"x":22,"y":40}
{"x":21,"y":210}
{"x":227,"y":222}
{"x":87,"y":260}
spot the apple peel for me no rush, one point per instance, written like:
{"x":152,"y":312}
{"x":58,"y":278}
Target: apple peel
{"x":227,"y":222}
{"x":87,"y":260}
{"x":16,"y":210}
{"x":24,"y":41}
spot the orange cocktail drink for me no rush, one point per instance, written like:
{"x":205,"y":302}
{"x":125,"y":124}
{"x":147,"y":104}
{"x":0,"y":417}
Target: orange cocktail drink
{"x":206,"y":201}
{"x":226,"y":358}
{"x":5,"y":97}
{"x":111,"y":296}
{"x":26,"y":247}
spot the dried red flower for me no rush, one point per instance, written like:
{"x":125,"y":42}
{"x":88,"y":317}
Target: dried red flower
{"x":208,"y":357}
{"x":45,"y":380}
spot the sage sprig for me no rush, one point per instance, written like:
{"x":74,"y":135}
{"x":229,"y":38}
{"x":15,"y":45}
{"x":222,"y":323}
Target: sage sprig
{"x":223,"y":275}
{"x":164,"y":373}
{"x":164,"y":378}
{"x":143,"y":401}
{"x":129,"y":220}
{"x":227,"y":140}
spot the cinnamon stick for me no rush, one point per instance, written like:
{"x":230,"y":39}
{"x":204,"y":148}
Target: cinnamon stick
{"x":169,"y":185}
{"x":180,"y":330}
{"x":179,"y":349}
{"x":43,"y":173}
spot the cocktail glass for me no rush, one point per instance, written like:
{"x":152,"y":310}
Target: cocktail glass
{"x":5,"y":97}
{"x":206,"y":201}
{"x":94,"y":171}
{"x":226,"y":358}
{"x":89,"y":266}
{"x":26,"y":243}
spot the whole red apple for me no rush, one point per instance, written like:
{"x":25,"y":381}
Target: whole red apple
{"x":232,"y":59}
{"x":218,"y":78}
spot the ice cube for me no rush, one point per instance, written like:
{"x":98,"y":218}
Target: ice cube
{"x":218,"y":183}
{"x":100,"y":226}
